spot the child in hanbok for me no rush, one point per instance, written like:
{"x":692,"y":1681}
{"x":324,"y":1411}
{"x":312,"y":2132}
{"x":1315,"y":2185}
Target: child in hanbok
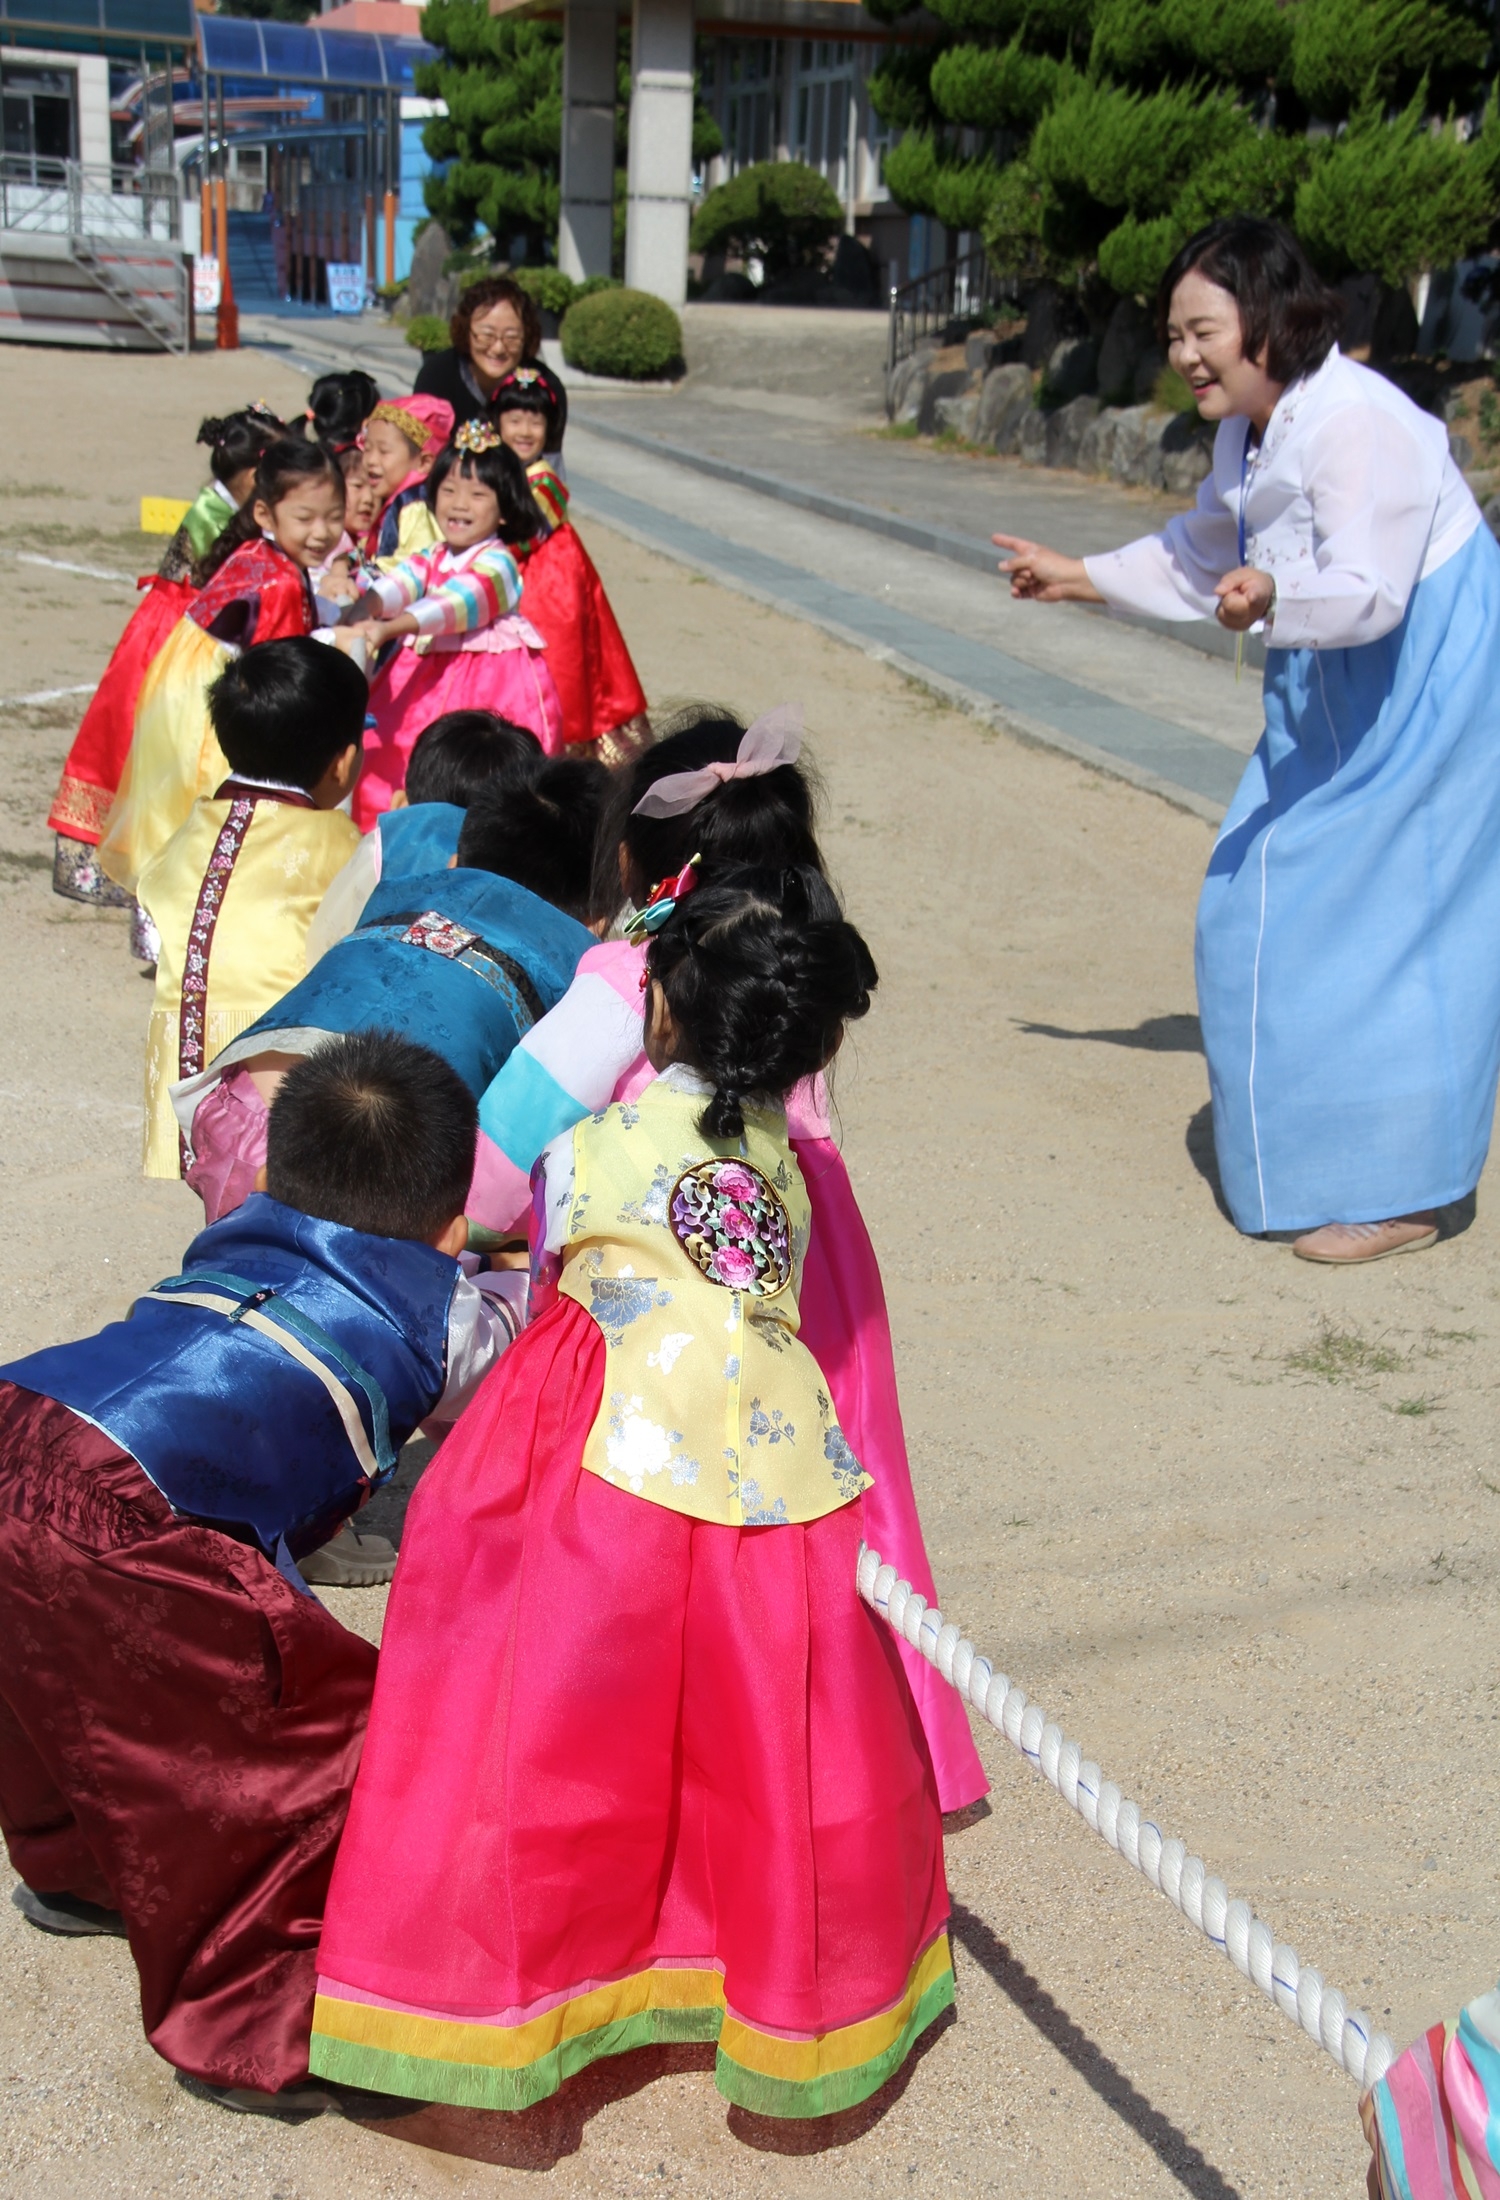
{"x":600,"y":691}
{"x":95,"y":762}
{"x":253,"y":587}
{"x":728,"y":797}
{"x":346,"y":572}
{"x":400,"y":440}
{"x":640,"y":1766}
{"x":338,"y":405}
{"x":453,"y":610}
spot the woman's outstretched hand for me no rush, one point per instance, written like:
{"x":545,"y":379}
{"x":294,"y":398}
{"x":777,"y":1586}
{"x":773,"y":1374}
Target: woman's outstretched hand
{"x":1245,"y":596}
{"x":1045,"y":576}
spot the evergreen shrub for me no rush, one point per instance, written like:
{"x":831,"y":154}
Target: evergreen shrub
{"x":782,"y":213}
{"x":428,"y":332}
{"x":626,"y":334}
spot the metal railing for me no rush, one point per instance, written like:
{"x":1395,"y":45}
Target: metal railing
{"x":75,"y":198}
{"x":944,"y":303}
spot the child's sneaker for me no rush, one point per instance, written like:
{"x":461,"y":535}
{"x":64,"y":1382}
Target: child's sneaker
{"x":352,"y":1560}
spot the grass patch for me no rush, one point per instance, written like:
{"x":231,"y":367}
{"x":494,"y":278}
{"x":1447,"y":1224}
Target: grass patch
{"x":1335,"y":1355}
{"x":899,"y":431}
{"x":1414,"y":1408}
{"x":33,"y":489}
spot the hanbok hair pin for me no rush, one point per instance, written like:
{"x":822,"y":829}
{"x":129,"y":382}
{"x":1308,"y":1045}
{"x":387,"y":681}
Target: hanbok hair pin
{"x":773,"y":740}
{"x":476,"y":436}
{"x":661,"y":905}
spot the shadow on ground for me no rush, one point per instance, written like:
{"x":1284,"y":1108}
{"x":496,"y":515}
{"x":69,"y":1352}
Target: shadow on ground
{"x":1157,"y":1035}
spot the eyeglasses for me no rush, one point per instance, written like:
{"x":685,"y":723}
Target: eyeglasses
{"x":495,"y":347}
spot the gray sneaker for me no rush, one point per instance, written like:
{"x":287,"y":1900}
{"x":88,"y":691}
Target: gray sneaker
{"x":67,"y":1914}
{"x":351,"y":1561}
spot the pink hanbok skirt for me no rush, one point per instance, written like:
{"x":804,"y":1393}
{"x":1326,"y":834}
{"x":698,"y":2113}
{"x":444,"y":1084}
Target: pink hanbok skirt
{"x":502,"y":668}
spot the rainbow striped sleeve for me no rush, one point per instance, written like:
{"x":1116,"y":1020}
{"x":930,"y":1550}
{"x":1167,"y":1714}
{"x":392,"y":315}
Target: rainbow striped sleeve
{"x":401,"y":585}
{"x":472,"y":595}
{"x":551,"y":494}
{"x":565,"y":1068}
{"x":1433,"y":2120}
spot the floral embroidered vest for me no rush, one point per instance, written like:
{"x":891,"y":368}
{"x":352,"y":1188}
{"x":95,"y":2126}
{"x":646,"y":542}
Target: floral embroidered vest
{"x":687,"y":1253}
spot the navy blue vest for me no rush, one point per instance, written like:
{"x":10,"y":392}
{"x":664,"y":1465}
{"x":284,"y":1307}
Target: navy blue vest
{"x":469,"y":993}
{"x":269,"y":1387}
{"x":420,"y":837}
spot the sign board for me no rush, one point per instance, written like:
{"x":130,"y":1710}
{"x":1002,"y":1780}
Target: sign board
{"x":346,"y":286}
{"x":162,"y":515}
{"x":205,"y":283}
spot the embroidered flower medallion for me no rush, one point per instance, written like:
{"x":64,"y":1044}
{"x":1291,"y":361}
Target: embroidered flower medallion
{"x":732,"y":1224}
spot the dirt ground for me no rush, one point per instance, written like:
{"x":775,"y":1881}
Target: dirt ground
{"x":1233,"y":1520}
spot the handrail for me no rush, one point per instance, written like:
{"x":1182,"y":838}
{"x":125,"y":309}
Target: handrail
{"x":942,"y":302}
{"x":78,"y":198}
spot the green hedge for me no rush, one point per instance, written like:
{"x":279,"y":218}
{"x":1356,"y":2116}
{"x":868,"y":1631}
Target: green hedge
{"x":428,"y":332}
{"x":626,"y":334}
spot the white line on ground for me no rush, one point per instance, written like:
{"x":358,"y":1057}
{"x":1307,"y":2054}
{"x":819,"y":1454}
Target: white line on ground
{"x":65,"y":565}
{"x":46,"y":695}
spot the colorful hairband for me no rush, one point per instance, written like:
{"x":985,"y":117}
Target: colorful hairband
{"x":661,"y":903}
{"x":476,"y":436}
{"x":774,"y":739}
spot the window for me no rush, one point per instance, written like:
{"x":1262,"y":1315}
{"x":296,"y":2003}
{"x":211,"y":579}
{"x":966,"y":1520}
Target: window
{"x":40,"y":120}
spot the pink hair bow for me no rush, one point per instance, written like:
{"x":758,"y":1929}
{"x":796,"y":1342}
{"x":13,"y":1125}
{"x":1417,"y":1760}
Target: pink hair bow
{"x":774,"y":739}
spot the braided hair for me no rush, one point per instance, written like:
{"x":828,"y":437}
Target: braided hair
{"x":761,"y":973}
{"x":236,"y":441}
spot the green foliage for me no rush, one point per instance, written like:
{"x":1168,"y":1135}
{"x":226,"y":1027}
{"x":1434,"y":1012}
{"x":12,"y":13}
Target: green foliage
{"x":428,"y":332}
{"x":1344,"y":50}
{"x":994,"y":87}
{"x":901,"y":89}
{"x":623,"y":333}
{"x":783,"y":212}
{"x":962,"y":191}
{"x":1134,"y":150}
{"x":1014,"y":229}
{"x":553,"y":291}
{"x":1243,"y":41}
{"x":501,"y":79}
{"x":1134,"y":256}
{"x":1395,"y":199}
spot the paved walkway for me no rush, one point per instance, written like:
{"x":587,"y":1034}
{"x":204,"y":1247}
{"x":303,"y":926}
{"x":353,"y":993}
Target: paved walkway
{"x":885,"y":544}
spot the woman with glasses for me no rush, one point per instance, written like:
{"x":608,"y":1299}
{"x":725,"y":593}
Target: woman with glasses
{"x":495,"y":329}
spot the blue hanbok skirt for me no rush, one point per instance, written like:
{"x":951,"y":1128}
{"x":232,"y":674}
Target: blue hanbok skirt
{"x":1349,"y":927}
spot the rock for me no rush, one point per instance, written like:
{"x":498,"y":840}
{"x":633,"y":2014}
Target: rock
{"x":428,"y":289}
{"x":979,"y":350}
{"x":1004,"y":402}
{"x":1051,"y":314}
{"x":1032,"y":441}
{"x":1071,"y":368}
{"x":907,"y":380}
{"x":1129,"y":337}
{"x":957,"y":415}
{"x":1149,"y":370}
{"x":1461,"y":451}
{"x":1186,"y":452}
{"x":952,"y":382}
{"x":1492,"y":515}
{"x":1096,"y":451}
{"x":1135,"y":455}
{"x":1066,"y":429}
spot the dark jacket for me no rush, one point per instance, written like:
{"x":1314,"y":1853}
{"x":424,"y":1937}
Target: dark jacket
{"x":441,"y":375}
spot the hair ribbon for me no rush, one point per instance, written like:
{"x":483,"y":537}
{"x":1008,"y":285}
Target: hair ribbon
{"x":662,"y":903}
{"x":773,"y":740}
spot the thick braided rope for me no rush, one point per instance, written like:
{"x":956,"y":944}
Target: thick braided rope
{"x":1232,"y":1927}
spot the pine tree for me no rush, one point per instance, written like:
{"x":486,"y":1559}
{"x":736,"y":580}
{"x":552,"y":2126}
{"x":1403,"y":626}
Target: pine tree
{"x":500,"y":141}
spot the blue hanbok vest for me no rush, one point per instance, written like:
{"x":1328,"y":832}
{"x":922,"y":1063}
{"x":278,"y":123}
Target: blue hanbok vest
{"x":420,"y":837}
{"x":460,"y":961}
{"x":269,"y":1387}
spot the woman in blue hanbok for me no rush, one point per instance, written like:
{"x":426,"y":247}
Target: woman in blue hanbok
{"x":1349,"y":928}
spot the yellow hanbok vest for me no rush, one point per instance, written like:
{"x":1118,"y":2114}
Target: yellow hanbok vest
{"x":286,"y":863}
{"x":416,"y":529}
{"x":687,"y":1253}
{"x":174,"y":756}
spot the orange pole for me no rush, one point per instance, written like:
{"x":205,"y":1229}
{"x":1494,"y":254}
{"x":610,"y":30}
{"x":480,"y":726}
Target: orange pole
{"x":206,"y":215}
{"x":370,"y":239}
{"x":390,"y":238}
{"x":229,"y":320}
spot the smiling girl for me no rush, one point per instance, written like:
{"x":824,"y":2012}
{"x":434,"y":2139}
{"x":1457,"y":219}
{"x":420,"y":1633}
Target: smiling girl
{"x":453,"y":612}
{"x":252,"y":587}
{"x":1347,"y":979}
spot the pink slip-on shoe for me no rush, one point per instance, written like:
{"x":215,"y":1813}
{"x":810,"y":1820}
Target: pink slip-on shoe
{"x":1345,"y":1244}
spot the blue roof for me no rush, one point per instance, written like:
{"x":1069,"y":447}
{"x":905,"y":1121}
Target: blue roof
{"x":99,"y":25}
{"x":295,"y":53}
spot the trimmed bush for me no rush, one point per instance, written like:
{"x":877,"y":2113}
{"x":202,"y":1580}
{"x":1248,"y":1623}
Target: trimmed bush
{"x":780,"y":212}
{"x":428,"y":332}
{"x":553,"y":291}
{"x":626,"y":334}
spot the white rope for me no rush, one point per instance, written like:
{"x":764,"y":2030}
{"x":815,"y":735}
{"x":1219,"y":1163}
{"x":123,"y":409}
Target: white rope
{"x":1232,"y":1926}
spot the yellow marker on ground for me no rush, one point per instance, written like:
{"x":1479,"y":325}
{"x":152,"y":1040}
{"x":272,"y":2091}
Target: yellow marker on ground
{"x":163,"y":515}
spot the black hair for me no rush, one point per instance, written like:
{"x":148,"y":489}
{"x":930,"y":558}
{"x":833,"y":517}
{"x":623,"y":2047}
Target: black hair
{"x":529,"y":389}
{"x":501,"y":472}
{"x":761,"y":972}
{"x":238,"y":440}
{"x":283,"y":466}
{"x":768,"y":819}
{"x":285,"y":710}
{"x":465,"y":751}
{"x":375,"y":1132}
{"x":539,"y":830}
{"x":1288,"y":314}
{"x":338,"y":405}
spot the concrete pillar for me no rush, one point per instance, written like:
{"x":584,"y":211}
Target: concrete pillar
{"x":585,"y":236}
{"x":660,"y":177}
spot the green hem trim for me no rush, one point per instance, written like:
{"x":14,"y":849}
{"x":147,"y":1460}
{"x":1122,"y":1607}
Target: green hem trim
{"x":766,"y":2096}
{"x":484,"y":2085}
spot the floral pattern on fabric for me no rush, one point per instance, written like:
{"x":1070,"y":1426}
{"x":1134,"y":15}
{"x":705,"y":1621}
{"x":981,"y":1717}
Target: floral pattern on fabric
{"x":617,"y":1301}
{"x":191,"y":1029}
{"x":733,"y":1225}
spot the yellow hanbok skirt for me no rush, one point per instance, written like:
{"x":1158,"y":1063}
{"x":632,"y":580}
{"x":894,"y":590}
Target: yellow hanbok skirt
{"x":174,"y":755}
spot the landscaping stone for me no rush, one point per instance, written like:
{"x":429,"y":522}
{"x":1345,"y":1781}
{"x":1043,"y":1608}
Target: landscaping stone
{"x":957,"y":415}
{"x":1491,"y":512}
{"x":951,"y":382}
{"x":1051,"y":314}
{"x":428,"y":289}
{"x":1136,"y":460}
{"x":1461,"y":451}
{"x":1066,"y":429}
{"x":1096,"y":452}
{"x":1129,"y":338}
{"x":980,"y":350}
{"x":1032,"y":442}
{"x":1186,"y":452}
{"x":905,"y":385}
{"x":1071,"y":368}
{"x":1004,"y":402}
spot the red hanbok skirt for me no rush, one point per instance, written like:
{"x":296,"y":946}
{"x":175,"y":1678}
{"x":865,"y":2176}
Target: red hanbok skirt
{"x":563,"y":597}
{"x":96,"y":761}
{"x":630,"y":1777}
